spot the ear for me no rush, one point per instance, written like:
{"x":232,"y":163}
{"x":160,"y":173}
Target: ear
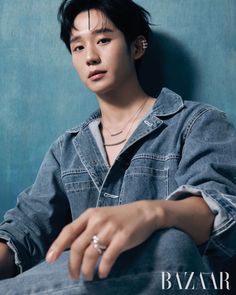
{"x":139,"y":47}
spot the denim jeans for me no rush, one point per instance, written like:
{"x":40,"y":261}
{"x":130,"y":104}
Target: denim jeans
{"x":137,"y":271}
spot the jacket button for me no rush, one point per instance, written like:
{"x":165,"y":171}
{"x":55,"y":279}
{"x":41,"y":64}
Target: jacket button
{"x":148,"y":123}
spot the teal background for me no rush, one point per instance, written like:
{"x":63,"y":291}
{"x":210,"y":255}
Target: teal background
{"x":193,"y":52}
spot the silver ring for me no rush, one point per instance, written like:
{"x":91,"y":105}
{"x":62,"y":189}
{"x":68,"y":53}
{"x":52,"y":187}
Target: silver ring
{"x":99,"y":247}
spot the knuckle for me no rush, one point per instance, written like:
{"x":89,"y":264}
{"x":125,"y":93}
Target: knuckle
{"x":124,"y":237}
{"x":77,"y":248}
{"x":121,"y":244}
{"x":67,"y":227}
{"x":107,"y":259}
{"x":85,"y":270}
{"x":96,"y":220}
{"x":90,"y":254}
{"x":72,"y":227}
{"x":67,"y":230}
{"x":113,"y":224}
{"x":90,"y":211}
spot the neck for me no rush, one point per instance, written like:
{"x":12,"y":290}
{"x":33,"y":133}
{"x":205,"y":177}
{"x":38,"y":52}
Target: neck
{"x":117,"y":106}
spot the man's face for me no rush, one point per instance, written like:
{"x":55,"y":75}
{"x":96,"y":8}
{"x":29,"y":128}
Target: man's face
{"x":99,"y":53}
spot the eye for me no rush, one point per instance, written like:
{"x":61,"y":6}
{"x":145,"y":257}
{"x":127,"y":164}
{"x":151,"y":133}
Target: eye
{"x":78,"y":48}
{"x":104,"y":41}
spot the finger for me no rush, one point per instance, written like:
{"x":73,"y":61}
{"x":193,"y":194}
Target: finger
{"x":116,"y":247}
{"x":77,"y":252}
{"x":83,"y":252}
{"x":90,"y":259}
{"x":94,"y":251}
{"x":66,"y":237}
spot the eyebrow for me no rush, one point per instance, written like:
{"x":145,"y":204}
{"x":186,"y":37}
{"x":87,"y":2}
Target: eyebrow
{"x":95,"y":32}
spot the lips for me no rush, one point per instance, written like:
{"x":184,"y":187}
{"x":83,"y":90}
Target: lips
{"x":95,"y":73}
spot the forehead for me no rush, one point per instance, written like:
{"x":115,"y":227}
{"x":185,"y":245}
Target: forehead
{"x":90,"y":20}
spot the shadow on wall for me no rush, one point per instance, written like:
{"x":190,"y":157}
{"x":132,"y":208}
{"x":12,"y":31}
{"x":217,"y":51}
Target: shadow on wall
{"x":167,"y":64}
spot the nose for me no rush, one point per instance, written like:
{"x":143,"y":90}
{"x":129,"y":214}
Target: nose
{"x":92,"y":57}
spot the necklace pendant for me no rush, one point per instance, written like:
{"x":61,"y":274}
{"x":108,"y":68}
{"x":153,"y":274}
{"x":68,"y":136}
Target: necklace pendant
{"x":116,"y":143}
{"x":117,"y":133}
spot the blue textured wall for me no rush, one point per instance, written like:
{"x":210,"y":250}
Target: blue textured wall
{"x":193,"y":52}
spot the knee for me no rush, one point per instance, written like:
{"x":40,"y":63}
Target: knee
{"x":174,"y":249}
{"x":173,"y":241}
{"x":166,"y":250}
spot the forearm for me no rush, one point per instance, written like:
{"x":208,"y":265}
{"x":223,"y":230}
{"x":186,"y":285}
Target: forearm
{"x":191,"y":215}
{"x":7,"y":265}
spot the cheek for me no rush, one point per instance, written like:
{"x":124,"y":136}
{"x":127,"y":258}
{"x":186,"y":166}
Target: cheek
{"x":77,"y":66}
{"x":122,"y":58}
{"x":116,"y":60}
{"x":124,"y":65}
{"x":75,"y":63}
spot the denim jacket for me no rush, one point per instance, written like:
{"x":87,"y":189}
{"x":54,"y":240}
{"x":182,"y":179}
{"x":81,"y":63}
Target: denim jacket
{"x":179,"y":149}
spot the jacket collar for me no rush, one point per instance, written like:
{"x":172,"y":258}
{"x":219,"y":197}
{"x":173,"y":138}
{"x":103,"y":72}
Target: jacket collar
{"x":167,"y":103}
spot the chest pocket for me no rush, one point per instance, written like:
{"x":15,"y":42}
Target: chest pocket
{"x":80,"y":190}
{"x":143,"y":182}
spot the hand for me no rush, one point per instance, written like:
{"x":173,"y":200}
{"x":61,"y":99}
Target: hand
{"x":119,"y":228}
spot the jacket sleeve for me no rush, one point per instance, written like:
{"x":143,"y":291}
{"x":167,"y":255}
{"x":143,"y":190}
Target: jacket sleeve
{"x":41,"y":212}
{"x":208,"y":169}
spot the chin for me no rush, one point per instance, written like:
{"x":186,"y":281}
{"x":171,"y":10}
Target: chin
{"x":101,"y":89}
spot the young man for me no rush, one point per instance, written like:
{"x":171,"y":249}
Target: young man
{"x":137,"y":192}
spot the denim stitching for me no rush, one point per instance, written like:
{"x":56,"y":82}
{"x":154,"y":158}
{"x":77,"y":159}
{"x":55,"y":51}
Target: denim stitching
{"x":156,"y":157}
{"x":192,"y":121}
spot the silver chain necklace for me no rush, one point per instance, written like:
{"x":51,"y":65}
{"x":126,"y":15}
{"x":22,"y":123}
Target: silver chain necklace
{"x":130,"y":121}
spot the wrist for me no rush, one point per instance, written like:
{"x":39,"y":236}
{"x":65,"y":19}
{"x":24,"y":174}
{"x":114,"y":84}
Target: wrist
{"x":156,"y":212}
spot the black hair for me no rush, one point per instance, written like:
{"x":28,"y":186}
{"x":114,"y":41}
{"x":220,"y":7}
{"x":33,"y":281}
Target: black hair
{"x":130,"y":18}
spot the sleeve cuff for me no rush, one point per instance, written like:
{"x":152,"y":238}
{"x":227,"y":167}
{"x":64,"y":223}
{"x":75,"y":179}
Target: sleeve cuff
{"x":223,"y":220}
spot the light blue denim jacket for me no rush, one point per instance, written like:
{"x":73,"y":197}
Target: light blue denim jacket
{"x":179,"y":149}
